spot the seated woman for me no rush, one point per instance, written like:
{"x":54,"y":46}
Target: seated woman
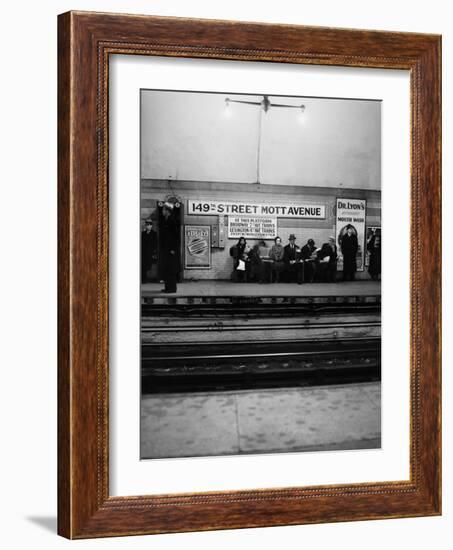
{"x":266,"y":274}
{"x":246,"y":259}
{"x":256,"y":264}
{"x":238,"y":253}
{"x":276,"y":256}
{"x":327,"y":262}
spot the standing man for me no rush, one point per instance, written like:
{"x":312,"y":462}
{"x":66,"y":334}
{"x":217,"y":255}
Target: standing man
{"x":291,"y":258}
{"x":349,"y":247}
{"x":149,"y":248}
{"x":170,"y":253}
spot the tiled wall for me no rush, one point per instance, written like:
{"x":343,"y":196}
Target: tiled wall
{"x":319,"y":230}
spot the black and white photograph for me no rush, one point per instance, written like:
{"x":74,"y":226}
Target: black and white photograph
{"x":260,"y":220}
{"x":204,"y":346}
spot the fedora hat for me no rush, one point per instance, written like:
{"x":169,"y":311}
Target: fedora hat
{"x":291,"y":237}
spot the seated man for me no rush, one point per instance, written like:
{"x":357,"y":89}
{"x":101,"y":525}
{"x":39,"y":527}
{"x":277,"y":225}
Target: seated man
{"x":327,"y":261}
{"x":309,"y":258}
{"x":291,"y":258}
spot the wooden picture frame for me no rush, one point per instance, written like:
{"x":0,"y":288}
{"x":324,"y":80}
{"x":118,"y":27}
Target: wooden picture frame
{"x":85,"y":41}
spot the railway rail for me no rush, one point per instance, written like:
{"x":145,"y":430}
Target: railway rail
{"x":245,"y":365}
{"x":237,"y":343}
{"x":268,"y":308}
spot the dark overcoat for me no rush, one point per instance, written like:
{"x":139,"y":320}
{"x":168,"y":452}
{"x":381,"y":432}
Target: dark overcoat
{"x":169,"y":233}
{"x":375,"y":257}
{"x":149,"y":247}
{"x":349,"y":248}
{"x":291,"y":253}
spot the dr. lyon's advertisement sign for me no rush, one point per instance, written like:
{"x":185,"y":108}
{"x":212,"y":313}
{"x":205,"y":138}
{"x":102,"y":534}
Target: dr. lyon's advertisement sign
{"x":351,"y":212}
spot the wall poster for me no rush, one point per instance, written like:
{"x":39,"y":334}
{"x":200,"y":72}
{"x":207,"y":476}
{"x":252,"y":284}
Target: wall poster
{"x":351,"y":212}
{"x":197,"y":247}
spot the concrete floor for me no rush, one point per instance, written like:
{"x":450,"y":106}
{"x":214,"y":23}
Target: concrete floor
{"x":228,"y":288}
{"x":261,"y":421}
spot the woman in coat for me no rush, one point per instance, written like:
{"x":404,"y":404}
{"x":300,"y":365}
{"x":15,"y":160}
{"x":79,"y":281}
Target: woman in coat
{"x":237,"y":252}
{"x":256,"y":264}
{"x":327,"y":262}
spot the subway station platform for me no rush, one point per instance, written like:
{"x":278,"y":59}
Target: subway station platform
{"x":202,"y":291}
{"x":261,"y":421}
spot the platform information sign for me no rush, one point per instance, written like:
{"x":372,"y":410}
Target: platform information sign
{"x":252,"y":227}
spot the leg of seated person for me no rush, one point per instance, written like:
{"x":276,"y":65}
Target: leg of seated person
{"x":300,"y":273}
{"x":280,"y":270}
{"x":310,"y":271}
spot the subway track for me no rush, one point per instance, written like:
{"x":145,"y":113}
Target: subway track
{"x":222,"y":325}
{"x":250,"y":343}
{"x":251,"y":365}
{"x":174,"y":331}
{"x":255,"y":307}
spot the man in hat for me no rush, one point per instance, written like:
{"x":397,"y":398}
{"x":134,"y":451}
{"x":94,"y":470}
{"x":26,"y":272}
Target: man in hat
{"x":169,"y":232}
{"x":149,"y":248}
{"x":349,"y":247}
{"x":291,"y":259}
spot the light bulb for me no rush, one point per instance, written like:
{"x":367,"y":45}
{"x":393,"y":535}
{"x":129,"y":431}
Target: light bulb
{"x":301,"y":116}
{"x":227,"y":111}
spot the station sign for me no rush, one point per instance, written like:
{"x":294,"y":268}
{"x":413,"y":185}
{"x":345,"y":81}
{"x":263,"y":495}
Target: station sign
{"x":235,"y":208}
